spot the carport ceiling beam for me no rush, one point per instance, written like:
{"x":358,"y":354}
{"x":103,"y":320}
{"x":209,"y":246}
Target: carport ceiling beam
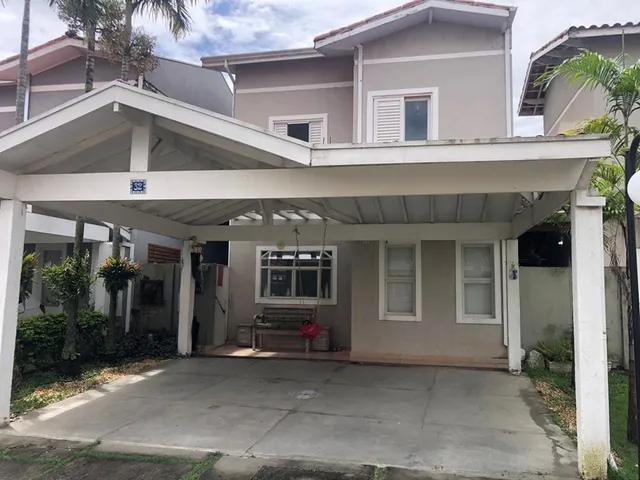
{"x":230,"y":213}
{"x":358,"y":232}
{"x":296,"y":183}
{"x":538,"y":211}
{"x":405,"y":212}
{"x":266,"y":211}
{"x":379,"y":209}
{"x":320,"y":210}
{"x":117,"y":214}
{"x":358,"y":211}
{"x":201,"y":210}
{"x":459,"y":208}
{"x":485,"y":203}
{"x":432,"y":209}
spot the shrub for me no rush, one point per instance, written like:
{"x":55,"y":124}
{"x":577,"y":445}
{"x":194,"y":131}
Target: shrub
{"x":558,"y":350}
{"x":156,"y":344}
{"x":40,"y":339}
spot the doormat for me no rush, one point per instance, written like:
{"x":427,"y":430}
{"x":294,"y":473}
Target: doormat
{"x":306,"y":394}
{"x":285,"y":473}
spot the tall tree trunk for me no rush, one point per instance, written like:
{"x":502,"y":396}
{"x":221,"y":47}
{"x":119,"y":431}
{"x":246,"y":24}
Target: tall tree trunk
{"x":113,"y":294}
{"x":21,"y":91}
{"x":90,"y":58}
{"x":126,"y":57}
{"x":69,"y":350}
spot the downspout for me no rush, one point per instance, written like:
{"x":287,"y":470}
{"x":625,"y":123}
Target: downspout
{"x":508,"y":80}
{"x":503,"y":285}
{"x":27,"y":98}
{"x":359,"y":95}
{"x":233,"y":81}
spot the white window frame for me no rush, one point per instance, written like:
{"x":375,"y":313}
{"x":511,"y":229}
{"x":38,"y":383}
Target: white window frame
{"x":312,"y":117}
{"x":461,"y":317}
{"x":382,"y":283}
{"x":259,"y":299}
{"x":431,"y":92}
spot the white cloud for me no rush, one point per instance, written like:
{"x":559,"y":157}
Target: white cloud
{"x":230,"y":26}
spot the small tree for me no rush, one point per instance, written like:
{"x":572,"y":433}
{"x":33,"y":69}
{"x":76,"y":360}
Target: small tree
{"x":29,"y":265}
{"x":116,"y":273}
{"x":70,"y":283}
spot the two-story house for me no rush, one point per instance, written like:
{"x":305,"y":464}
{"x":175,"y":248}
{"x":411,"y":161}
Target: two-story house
{"x":379,"y":181}
{"x":405,"y":75}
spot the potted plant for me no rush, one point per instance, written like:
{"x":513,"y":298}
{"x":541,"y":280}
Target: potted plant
{"x":116,"y":273}
{"x":558,"y":353}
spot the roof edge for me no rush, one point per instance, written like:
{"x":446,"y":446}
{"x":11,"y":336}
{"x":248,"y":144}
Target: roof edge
{"x":221,"y":62}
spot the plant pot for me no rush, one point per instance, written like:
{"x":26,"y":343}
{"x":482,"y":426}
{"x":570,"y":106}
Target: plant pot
{"x":559,"y":367}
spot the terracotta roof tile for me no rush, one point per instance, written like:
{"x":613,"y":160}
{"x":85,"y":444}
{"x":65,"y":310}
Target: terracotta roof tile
{"x":35,"y":49}
{"x":406,"y":6}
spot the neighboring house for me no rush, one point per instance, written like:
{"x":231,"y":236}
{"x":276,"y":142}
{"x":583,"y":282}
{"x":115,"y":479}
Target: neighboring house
{"x":410,"y":75}
{"x":563,"y":104}
{"x":56,"y":75}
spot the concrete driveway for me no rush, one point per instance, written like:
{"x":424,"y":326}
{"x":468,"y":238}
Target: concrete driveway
{"x":436,"y":419}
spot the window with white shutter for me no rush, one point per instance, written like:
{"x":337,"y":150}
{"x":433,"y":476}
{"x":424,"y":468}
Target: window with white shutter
{"x":387,"y":119}
{"x":403,"y":115}
{"x":308,"y":128}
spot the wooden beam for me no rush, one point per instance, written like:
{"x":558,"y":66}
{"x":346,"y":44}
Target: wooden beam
{"x":541,"y":208}
{"x":405,"y":212}
{"x":379,"y":209}
{"x":485,"y":203}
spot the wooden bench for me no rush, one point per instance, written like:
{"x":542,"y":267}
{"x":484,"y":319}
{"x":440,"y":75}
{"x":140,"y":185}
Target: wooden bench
{"x":280,"y":321}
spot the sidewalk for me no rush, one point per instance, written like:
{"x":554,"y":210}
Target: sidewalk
{"x":24,"y":458}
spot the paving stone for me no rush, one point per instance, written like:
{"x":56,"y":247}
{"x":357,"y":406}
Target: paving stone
{"x":99,"y":468}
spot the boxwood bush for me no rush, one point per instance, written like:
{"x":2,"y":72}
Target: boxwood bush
{"x":40,"y":339}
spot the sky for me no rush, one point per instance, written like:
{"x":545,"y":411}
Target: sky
{"x":235,"y":26}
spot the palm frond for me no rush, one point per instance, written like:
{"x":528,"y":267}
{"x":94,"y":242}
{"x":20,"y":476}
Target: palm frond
{"x":590,"y":68}
{"x":175,"y":12}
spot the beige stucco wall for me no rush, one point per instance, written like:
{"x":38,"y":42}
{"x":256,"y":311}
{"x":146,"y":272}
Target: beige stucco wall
{"x":438,"y":334}
{"x":336,"y":102}
{"x":437,"y":38}
{"x":242,"y":278}
{"x":471,"y":91}
{"x":546,"y":310}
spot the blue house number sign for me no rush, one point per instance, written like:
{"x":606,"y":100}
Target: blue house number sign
{"x":139,"y":186}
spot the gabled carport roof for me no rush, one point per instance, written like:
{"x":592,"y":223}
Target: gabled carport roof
{"x":201,"y":169}
{"x":88,"y":120}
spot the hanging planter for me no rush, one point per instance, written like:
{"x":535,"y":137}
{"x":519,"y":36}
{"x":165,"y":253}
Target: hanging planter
{"x":117,"y":272}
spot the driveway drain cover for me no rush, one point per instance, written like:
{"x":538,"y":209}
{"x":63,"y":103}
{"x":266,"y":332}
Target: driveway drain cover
{"x":306,"y":394}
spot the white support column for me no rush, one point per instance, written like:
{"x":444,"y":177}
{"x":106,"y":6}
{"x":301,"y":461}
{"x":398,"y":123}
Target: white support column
{"x":513,"y":307}
{"x":99,"y":253}
{"x":12,"y":224}
{"x":186,"y":300}
{"x":590,"y":334}
{"x":141,"y":145}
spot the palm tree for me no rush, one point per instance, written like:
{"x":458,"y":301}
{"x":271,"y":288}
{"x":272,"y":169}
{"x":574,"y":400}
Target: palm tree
{"x":21,"y":90}
{"x":82,"y":15}
{"x":175,"y":12}
{"x":620,"y":84}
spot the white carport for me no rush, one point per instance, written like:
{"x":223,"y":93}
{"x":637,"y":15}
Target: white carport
{"x":127,"y":156}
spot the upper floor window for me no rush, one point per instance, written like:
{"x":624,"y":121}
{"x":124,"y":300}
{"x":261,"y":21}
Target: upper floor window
{"x":403,"y":115}
{"x":308,"y":128}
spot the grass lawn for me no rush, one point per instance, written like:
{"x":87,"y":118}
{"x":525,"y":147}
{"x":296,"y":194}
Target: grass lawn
{"x":44,"y":388}
{"x":559,"y":397}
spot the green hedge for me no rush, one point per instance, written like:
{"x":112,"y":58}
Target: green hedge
{"x":40,"y":339}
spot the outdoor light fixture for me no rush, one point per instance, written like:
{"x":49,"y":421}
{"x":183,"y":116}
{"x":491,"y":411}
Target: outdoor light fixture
{"x":633,"y":188}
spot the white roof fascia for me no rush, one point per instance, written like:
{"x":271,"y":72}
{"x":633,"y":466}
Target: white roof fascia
{"x":69,"y":42}
{"x":218,"y":62}
{"x":460,"y":151}
{"x":497,"y":12}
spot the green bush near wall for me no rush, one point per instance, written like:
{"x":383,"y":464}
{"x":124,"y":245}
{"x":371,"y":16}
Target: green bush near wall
{"x":39,"y":339}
